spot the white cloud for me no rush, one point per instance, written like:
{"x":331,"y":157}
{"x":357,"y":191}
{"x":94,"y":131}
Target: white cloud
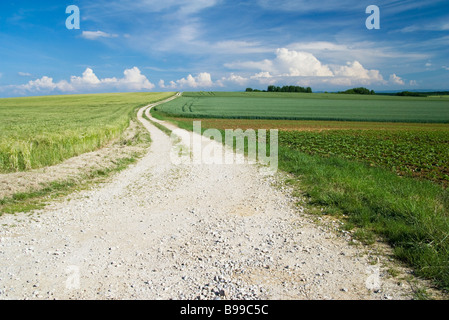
{"x":262,"y":75}
{"x":305,"y":5}
{"x":162,"y":84}
{"x":202,"y":80}
{"x":185,"y":7}
{"x":445,"y":68}
{"x":24,"y":74}
{"x":250,"y":65}
{"x":362,"y":51}
{"x":413,"y":83}
{"x":355,"y":71}
{"x":188,"y":7}
{"x":232,"y":79}
{"x":43,"y":84}
{"x":171,"y":8}
{"x":394,"y":79}
{"x":239,"y":47}
{"x":133,"y":80}
{"x":88,"y":79}
{"x":287,"y":63}
{"x":436,"y":26}
{"x":265,"y":78}
{"x":393,"y":7}
{"x":292,"y":65}
{"x":236,"y":79}
{"x":94,"y":35}
{"x":299,"y":64}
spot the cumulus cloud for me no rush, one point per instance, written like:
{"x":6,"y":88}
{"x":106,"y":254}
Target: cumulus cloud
{"x":87,"y":79}
{"x":355,"y":72}
{"x":232,"y":79}
{"x":394,"y":79}
{"x":202,"y":80}
{"x":45,"y":84}
{"x":133,"y":80}
{"x":162,"y":84}
{"x":299,"y":64}
{"x":94,"y":35}
{"x":289,"y":65}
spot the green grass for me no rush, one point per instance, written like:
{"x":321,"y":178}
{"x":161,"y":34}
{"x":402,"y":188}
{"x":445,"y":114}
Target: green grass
{"x":298,"y":106}
{"x":42,"y":131}
{"x":411,"y":215}
{"x":167,"y":131}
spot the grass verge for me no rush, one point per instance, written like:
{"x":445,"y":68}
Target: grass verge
{"x":411,"y":215}
{"x":37,"y":199}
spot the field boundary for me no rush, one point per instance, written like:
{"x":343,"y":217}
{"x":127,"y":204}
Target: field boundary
{"x":191,"y":116}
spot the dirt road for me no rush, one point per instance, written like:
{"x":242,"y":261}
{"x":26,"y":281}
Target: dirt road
{"x":161,"y":230}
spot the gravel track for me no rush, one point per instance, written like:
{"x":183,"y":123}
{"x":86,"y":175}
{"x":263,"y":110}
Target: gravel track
{"x":160,"y":230}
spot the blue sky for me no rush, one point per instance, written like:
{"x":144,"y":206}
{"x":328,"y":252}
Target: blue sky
{"x":189,"y":45}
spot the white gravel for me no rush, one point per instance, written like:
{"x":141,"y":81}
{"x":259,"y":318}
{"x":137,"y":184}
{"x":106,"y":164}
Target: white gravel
{"x":159,"y":230}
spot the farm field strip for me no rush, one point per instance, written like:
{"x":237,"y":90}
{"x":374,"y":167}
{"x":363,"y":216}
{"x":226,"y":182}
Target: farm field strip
{"x":304,"y":107}
{"x":42,"y":131}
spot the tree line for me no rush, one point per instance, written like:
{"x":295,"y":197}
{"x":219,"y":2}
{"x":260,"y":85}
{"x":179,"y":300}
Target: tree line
{"x":360,"y":90}
{"x":272,"y":88}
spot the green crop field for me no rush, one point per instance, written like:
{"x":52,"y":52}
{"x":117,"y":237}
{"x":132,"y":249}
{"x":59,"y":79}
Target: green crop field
{"x":422,"y":154}
{"x":41,"y":131}
{"x":297,"y":106}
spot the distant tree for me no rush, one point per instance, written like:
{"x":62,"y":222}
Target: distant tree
{"x":359,"y":90}
{"x":411,"y":94}
{"x":249,"y":90}
{"x":272,"y":88}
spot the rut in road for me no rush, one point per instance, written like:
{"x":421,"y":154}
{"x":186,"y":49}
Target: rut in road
{"x":161,"y":230}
